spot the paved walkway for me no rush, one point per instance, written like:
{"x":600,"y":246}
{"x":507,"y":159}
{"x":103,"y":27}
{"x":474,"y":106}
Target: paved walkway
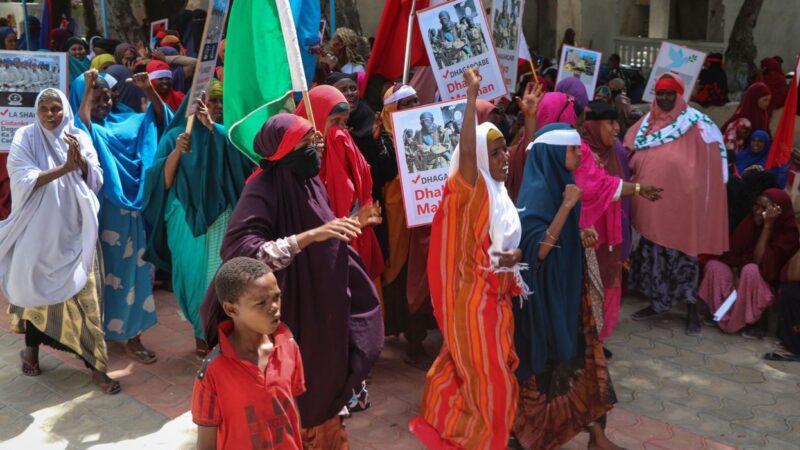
{"x":675,"y":392}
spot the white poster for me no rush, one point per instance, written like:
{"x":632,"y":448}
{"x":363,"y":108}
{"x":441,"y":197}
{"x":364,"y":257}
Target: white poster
{"x":155,"y":27}
{"x":456,"y":37}
{"x":507,"y":33}
{"x":580,"y":63}
{"x":426,"y":138}
{"x":673,"y":58}
{"x":212,"y":35}
{"x":22,"y":76}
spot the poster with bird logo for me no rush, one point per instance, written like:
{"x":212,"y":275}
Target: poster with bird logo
{"x":684,"y":61}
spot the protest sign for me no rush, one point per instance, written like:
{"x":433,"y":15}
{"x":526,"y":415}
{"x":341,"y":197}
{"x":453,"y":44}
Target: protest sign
{"x":507,"y":33}
{"x":673,"y":58}
{"x":155,"y":27}
{"x":426,"y":138}
{"x":23,"y":75}
{"x":207,"y":58}
{"x":582,"y":64}
{"x":456,"y":37}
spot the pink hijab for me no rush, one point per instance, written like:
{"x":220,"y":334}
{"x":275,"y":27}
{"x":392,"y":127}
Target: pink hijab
{"x":556,"y":107}
{"x":694,"y":205}
{"x":598,"y":208}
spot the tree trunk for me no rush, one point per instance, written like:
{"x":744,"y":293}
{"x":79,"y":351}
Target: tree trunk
{"x":741,"y":53}
{"x":160,"y":9}
{"x":346,"y":14}
{"x":90,"y":19}
{"x":122,"y":23}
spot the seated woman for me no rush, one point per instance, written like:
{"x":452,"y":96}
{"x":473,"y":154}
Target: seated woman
{"x":763,"y":242}
{"x":472,"y":264}
{"x":751,"y":114}
{"x":49,"y":266}
{"x":565,"y":386}
{"x":788,"y":314}
{"x":755,"y":157}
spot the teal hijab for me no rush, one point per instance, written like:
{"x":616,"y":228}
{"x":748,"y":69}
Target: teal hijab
{"x":547,"y":326}
{"x":209,"y":180}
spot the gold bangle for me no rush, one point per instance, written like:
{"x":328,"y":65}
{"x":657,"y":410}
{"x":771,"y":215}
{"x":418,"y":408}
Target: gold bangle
{"x":638,"y":189}
{"x":550,"y":235}
{"x":549,"y":244}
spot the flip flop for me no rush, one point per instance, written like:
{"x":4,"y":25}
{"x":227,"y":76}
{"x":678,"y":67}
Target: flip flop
{"x":143,"y":356}
{"x":108,"y":385}
{"x":31,"y":370}
{"x":781,"y":356}
{"x":646,"y":314}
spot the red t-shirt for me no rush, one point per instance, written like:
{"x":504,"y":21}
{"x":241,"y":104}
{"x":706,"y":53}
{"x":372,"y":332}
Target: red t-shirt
{"x":251,"y":408}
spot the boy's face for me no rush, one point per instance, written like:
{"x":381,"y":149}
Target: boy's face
{"x":259,"y":307}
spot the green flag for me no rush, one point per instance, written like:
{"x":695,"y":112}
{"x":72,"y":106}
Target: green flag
{"x":258,"y":76}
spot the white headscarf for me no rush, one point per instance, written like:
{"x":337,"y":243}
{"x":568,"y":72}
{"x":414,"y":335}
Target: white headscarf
{"x":505,"y":229}
{"x":48,"y":242}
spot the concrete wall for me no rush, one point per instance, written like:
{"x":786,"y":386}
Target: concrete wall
{"x":777,"y":30}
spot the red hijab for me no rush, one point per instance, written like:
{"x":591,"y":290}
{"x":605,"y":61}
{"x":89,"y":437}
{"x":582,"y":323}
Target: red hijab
{"x":782,"y":245}
{"x":344,"y":172}
{"x":159,"y":69}
{"x":748,"y":108}
{"x":775,"y":79}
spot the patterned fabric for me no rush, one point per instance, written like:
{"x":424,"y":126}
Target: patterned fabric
{"x":665,"y":275}
{"x":595,"y":287}
{"x":130,"y":308}
{"x":557,"y":404}
{"x":76,"y":323}
{"x":688,"y":118}
{"x":470,"y":391}
{"x":736,"y":134}
{"x":754,"y":294}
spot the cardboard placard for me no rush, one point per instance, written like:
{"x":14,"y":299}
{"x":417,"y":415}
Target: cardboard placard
{"x":207,"y":58}
{"x":506,"y":24}
{"x":674,"y":58}
{"x":580,"y":63}
{"x":426,"y":138}
{"x":155,"y":27}
{"x":456,"y":37}
{"x":23,"y":75}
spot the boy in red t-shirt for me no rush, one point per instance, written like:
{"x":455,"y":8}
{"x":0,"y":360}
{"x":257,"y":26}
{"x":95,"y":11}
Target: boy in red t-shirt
{"x":244,"y":392}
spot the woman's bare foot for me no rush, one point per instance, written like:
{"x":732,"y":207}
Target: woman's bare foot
{"x":30,"y":361}
{"x":105,"y":382}
{"x":598,"y":439}
{"x":137,"y":351}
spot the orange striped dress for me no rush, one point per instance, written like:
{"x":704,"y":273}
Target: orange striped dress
{"x":470,"y":391}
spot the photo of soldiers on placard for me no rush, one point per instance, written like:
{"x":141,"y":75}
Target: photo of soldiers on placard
{"x":19,"y":74}
{"x":457,"y":36}
{"x":504,"y":24}
{"x":430,"y":145}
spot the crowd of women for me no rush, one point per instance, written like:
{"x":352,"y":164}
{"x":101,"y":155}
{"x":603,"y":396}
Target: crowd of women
{"x":547,"y":207}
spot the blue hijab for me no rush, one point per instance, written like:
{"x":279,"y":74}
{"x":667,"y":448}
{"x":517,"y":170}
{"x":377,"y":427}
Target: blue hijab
{"x":748,"y":157}
{"x":126,"y":142}
{"x":547,"y":326}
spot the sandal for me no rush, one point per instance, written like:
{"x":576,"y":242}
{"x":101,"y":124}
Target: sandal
{"x":108,"y":385}
{"x":782,"y":355}
{"x":645,"y":314}
{"x":141,"y":355}
{"x":28,"y":368}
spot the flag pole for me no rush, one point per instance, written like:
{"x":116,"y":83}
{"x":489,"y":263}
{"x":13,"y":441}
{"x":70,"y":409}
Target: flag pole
{"x":25,"y":25}
{"x":105,"y":18}
{"x":296,"y":68}
{"x":407,"y":60}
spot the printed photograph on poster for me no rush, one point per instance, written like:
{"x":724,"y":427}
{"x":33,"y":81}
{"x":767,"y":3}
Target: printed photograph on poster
{"x":506,"y":24}
{"x":212,"y":36}
{"x":23,"y":75}
{"x":426,"y":138}
{"x":456,"y":36}
{"x":673,"y":58}
{"x":580,"y":63}
{"x":155,"y":27}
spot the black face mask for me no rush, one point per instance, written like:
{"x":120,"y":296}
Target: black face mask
{"x":304,"y":163}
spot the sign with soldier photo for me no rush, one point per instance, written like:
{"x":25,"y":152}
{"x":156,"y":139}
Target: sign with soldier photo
{"x":456,"y":37}
{"x":673,"y":58}
{"x":212,"y":36}
{"x":506,"y":29}
{"x":580,"y":63}
{"x":22,"y":76}
{"x":426,"y":138}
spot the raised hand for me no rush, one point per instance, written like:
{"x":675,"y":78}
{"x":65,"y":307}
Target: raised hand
{"x":201,"y":113}
{"x":344,"y":229}
{"x":473,"y":79}
{"x":184,"y":143}
{"x":530,"y":100}
{"x":369,"y":215}
{"x":142,"y":81}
